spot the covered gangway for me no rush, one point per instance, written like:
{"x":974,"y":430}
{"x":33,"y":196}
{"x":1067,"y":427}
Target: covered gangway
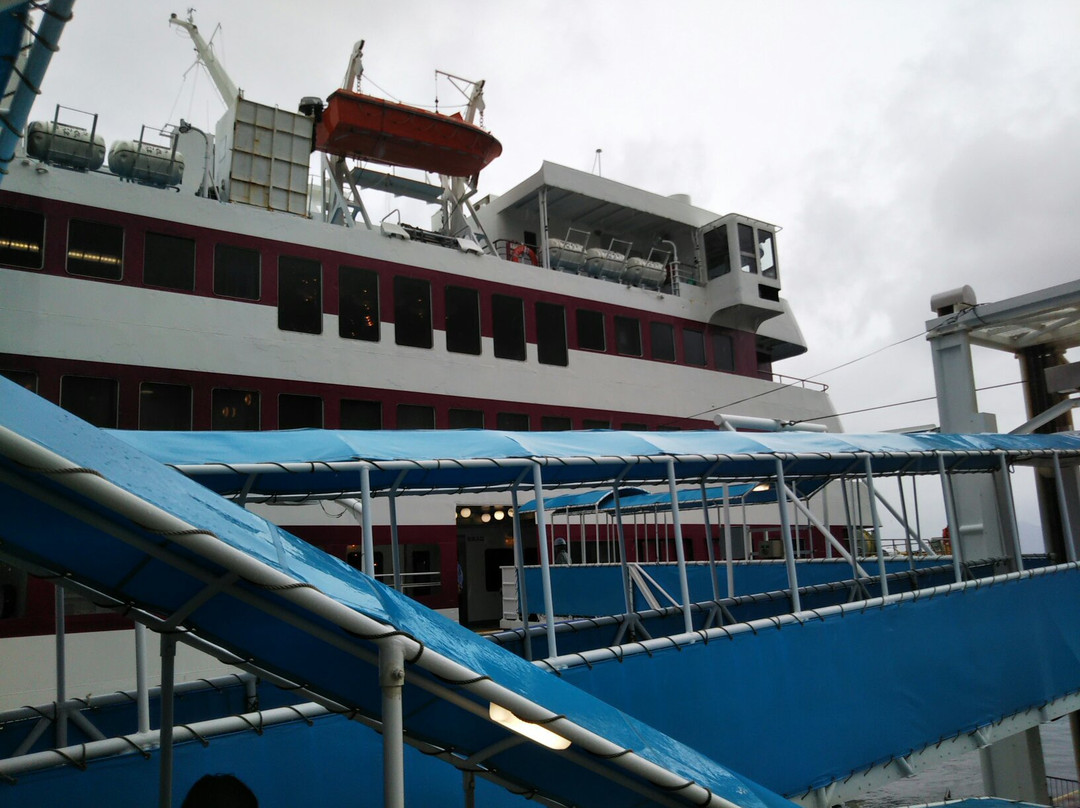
{"x":101,"y":515}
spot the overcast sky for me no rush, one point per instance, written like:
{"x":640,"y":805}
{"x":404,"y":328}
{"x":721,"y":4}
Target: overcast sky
{"x":905,"y":148}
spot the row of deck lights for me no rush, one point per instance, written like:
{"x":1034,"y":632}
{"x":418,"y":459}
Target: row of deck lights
{"x":484,"y":513}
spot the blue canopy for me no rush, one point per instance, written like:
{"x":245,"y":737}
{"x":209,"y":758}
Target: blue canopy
{"x":329,"y":462}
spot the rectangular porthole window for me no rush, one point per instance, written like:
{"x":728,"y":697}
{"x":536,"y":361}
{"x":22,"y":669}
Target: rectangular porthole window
{"x":466,"y":419}
{"x":590,"y":330}
{"x":358,"y":304}
{"x":628,"y":336}
{"x":415,"y":416}
{"x":662,"y":336}
{"x":693,"y":347}
{"x":462,"y":320}
{"x":169,"y":262}
{"x":299,"y":295}
{"x":234,"y":409}
{"x":412,"y":312}
{"x":551,"y":334}
{"x":299,"y":412}
{"x":555,"y":423}
{"x":361,"y":414}
{"x":237,"y":272}
{"x":95,"y":250}
{"x":164,"y":406}
{"x":723,"y":352}
{"x":94,"y":400}
{"x":508,"y":320}
{"x":22,"y":238}
{"x":512,"y":421}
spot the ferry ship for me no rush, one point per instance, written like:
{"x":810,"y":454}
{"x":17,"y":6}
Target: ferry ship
{"x":182,"y":280}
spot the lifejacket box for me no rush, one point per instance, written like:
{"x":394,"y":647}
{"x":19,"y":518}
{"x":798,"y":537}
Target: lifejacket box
{"x":65,"y":145}
{"x":263,"y":156}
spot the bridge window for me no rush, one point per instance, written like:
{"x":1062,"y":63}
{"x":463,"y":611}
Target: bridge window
{"x":512,"y":421}
{"x":662,"y":338}
{"x":748,"y":260}
{"x":462,"y":320}
{"x":508,"y":320}
{"x":358,"y":304}
{"x":95,"y":250}
{"x":169,"y":262}
{"x":299,"y":295}
{"x":551,"y":334}
{"x":22,"y":238}
{"x":766,"y":253}
{"x":595,"y":423}
{"x":717,"y":255}
{"x":632,"y":427}
{"x":237,"y":272}
{"x":415,"y":416}
{"x":164,"y":406}
{"x":412,"y":312}
{"x":590,"y":330}
{"x":466,"y":419}
{"x":693,"y":347}
{"x":299,"y":412}
{"x":93,"y":400}
{"x":234,"y":409}
{"x":361,"y":414}
{"x":628,"y":336}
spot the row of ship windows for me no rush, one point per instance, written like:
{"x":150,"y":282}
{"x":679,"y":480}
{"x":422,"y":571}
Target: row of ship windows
{"x":165,"y":406}
{"x":96,"y":250}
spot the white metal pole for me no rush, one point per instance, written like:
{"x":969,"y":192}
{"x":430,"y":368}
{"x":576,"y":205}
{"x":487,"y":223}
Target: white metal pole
{"x":709,"y":542}
{"x":1010,"y":513}
{"x":727,"y":542}
{"x":785,"y":530}
{"x":1063,"y":506}
{"x":394,"y":563}
{"x":545,"y":563}
{"x":680,"y":553}
{"x":142,"y":689}
{"x":168,"y":680}
{"x":825,"y":519}
{"x":907,"y":532}
{"x":852,"y":544}
{"x":60,"y":732}
{"x":950,"y":518}
{"x":519,"y":567}
{"x":830,"y":540}
{"x":628,"y":597}
{"x":365,"y":521}
{"x":877,"y":526}
{"x":746,"y":539}
{"x":391,"y":680}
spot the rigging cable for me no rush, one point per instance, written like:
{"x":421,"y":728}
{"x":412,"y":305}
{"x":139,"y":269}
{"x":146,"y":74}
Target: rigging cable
{"x":899,"y":403}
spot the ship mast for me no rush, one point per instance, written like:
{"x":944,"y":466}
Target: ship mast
{"x":225,"y":86}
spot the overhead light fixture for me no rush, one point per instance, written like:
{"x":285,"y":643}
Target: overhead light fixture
{"x":499,"y":516}
{"x":763,"y":487}
{"x":485,"y":517}
{"x":465,"y":513}
{"x":534,"y":732}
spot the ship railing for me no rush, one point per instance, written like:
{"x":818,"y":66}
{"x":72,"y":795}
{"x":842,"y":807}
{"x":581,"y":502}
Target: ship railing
{"x":412,"y":581}
{"x":518,"y":252}
{"x":1064,"y":793}
{"x":793,"y":381}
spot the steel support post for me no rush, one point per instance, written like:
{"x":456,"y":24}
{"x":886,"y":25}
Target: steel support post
{"x":391,"y":681}
{"x":907,"y":530}
{"x":1008,"y":518}
{"x":852,"y":545}
{"x":60,"y":726}
{"x":825,"y":520}
{"x":168,"y":683}
{"x":830,"y":540}
{"x":395,"y":556}
{"x":628,"y":595}
{"x":1063,"y":506}
{"x":142,"y":688}
{"x":785,"y":530}
{"x":869,"y":466}
{"x":680,"y":552}
{"x":727,"y":542}
{"x":519,"y":568}
{"x":950,"y":518}
{"x":365,"y":521}
{"x":545,"y":562}
{"x":709,"y":542}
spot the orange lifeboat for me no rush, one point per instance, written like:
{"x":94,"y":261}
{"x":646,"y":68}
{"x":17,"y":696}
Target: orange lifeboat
{"x":369,"y":128}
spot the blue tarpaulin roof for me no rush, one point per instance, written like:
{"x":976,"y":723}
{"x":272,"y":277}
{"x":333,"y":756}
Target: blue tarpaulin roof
{"x":328,"y":462}
{"x":81,"y":503}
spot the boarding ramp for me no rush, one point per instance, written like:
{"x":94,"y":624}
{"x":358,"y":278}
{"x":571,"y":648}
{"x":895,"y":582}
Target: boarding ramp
{"x":84,"y":506}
